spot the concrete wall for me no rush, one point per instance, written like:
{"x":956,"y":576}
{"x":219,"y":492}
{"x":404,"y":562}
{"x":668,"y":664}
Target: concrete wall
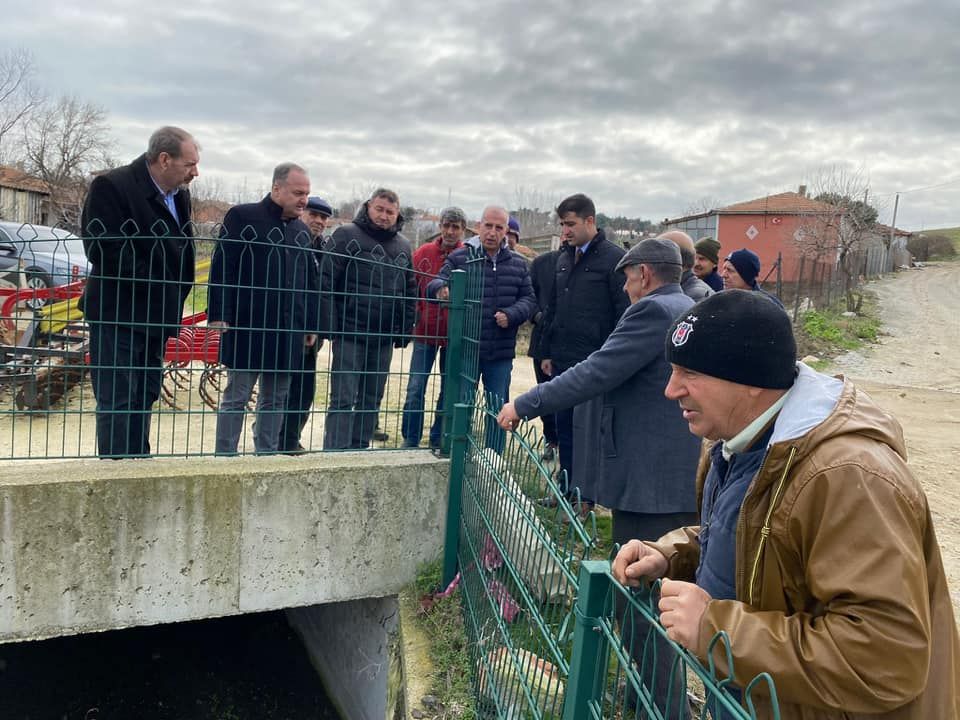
{"x":92,"y":545}
{"x":356,"y":649}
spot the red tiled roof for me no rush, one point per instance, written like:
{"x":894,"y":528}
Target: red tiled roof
{"x":210,"y":210}
{"x":11,"y":177}
{"x":885,"y":229}
{"x":788,"y":203}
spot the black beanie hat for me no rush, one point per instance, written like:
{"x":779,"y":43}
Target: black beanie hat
{"x":747,"y":265}
{"x":736,"y":335}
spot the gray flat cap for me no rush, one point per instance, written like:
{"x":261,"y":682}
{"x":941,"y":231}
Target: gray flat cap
{"x":653,"y":251}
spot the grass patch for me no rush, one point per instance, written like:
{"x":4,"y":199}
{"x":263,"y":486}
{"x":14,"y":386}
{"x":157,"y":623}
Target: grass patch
{"x":452,"y":681}
{"x":827,"y":332}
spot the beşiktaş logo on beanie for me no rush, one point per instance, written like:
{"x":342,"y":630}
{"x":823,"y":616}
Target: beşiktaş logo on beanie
{"x":682,"y":332}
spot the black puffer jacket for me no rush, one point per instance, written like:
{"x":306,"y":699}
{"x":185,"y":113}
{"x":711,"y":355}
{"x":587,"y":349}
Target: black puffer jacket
{"x":368,"y":279}
{"x":588,"y":300}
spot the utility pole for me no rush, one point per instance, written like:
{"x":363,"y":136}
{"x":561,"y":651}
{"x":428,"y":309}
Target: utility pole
{"x":893,"y":225}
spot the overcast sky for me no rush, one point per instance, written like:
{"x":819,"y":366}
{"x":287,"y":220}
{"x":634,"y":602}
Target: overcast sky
{"x":649,"y":106}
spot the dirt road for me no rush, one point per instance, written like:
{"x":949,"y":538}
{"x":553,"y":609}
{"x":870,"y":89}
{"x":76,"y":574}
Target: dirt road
{"x":914,"y":372}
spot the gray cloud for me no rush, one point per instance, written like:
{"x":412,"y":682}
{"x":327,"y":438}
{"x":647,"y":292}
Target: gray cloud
{"x":645,"y":105}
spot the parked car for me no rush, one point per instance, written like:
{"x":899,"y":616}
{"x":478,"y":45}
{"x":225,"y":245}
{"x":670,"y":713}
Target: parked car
{"x":47,"y":257}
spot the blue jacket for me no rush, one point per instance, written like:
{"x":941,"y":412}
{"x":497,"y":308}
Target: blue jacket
{"x":648,"y":458}
{"x":506,"y":287}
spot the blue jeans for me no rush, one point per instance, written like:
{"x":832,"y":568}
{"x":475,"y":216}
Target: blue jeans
{"x":421,"y":365}
{"x":271,"y":407}
{"x":495,"y":375}
{"x":126,"y":370}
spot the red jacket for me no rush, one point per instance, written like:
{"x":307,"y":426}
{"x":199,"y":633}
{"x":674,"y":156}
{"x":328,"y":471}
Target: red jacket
{"x":431,"y":327}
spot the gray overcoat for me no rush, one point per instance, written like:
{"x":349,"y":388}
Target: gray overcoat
{"x":646,"y":455}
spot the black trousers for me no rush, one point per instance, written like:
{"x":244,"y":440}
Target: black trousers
{"x":654,"y":662}
{"x":549,"y":421}
{"x":126,"y":370}
{"x":303,"y":387}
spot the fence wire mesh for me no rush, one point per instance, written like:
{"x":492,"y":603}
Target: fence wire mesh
{"x":552,"y":634}
{"x":153,"y":345}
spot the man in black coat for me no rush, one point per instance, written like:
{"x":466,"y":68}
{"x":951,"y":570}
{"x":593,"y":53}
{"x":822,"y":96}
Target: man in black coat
{"x":137,"y":235}
{"x":587,"y":302}
{"x":371,"y":308}
{"x":542,"y":272}
{"x":263,"y":283}
{"x":303,"y":380}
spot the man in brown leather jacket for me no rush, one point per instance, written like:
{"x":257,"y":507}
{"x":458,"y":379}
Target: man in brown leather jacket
{"x":816,"y":551}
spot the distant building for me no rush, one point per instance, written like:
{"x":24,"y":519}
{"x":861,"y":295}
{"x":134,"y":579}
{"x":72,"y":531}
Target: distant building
{"x":770,"y":226}
{"x":23,"y":197}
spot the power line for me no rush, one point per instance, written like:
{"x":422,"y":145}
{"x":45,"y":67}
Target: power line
{"x":932,"y":187}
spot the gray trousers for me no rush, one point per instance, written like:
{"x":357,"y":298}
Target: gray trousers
{"x":360,"y":367}
{"x":271,"y":407}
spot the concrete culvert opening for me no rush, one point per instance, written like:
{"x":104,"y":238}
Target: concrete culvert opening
{"x":246,"y":666}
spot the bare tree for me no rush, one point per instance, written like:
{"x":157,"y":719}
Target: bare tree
{"x":18,"y":95}
{"x":534,"y":210}
{"x":64,"y":141}
{"x":841,"y":227}
{"x":702,"y":205}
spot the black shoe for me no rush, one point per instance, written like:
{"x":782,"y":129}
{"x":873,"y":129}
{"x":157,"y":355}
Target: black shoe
{"x":299,"y":450}
{"x":380,"y":435}
{"x":549,"y":453}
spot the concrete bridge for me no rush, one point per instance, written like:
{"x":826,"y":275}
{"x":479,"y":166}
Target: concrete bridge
{"x":90,"y":545}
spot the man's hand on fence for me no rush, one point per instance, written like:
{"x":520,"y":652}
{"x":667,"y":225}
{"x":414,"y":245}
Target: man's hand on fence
{"x":508,"y":418}
{"x":682,"y":605}
{"x":443,"y":293}
{"x":636,"y":561}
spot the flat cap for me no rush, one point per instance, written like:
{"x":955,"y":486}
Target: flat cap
{"x":653,"y":251}
{"x":319,"y":205}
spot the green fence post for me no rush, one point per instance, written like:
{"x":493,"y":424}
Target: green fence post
{"x":588,"y":661}
{"x":456,"y":322}
{"x":458,"y":462}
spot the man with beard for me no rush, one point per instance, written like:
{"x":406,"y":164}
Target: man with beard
{"x":430,"y":333}
{"x":137,"y":234}
{"x":586,"y":303}
{"x":371,"y":310}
